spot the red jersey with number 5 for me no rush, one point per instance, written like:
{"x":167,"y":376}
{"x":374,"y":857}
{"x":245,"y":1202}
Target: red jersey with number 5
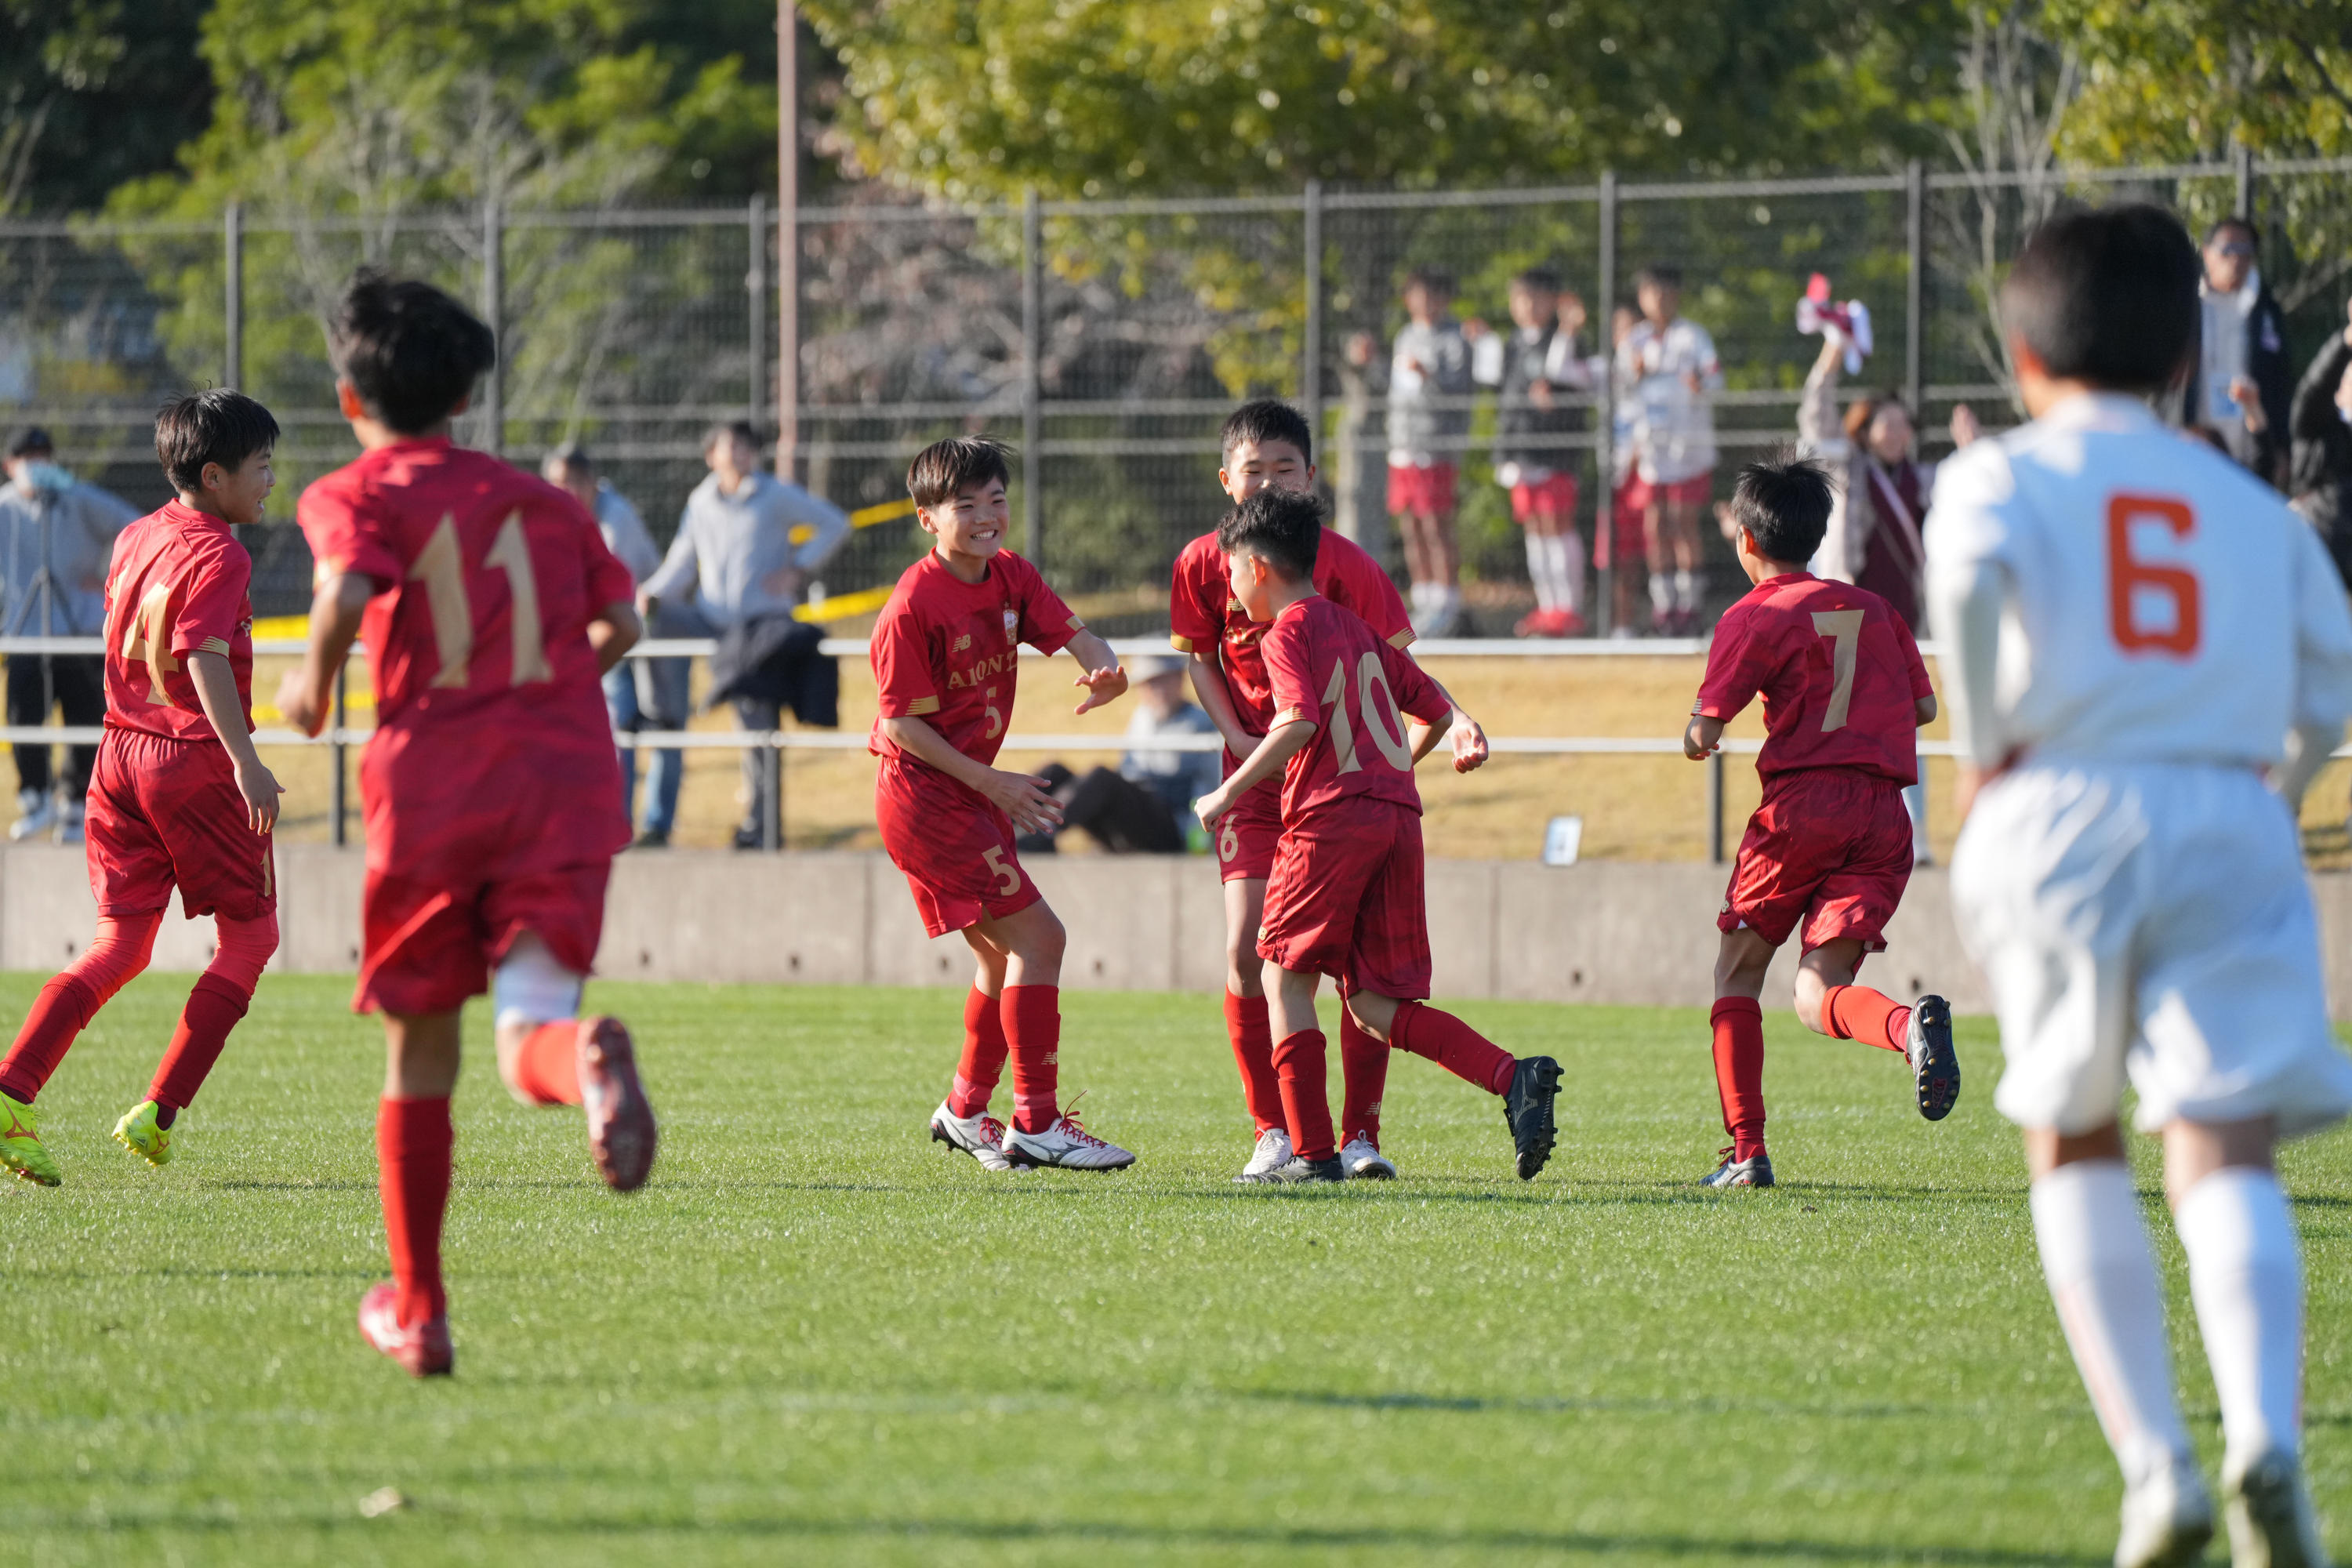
{"x":1325,"y":665}
{"x":1838,"y":670}
{"x":178,"y":586}
{"x":949,"y":652}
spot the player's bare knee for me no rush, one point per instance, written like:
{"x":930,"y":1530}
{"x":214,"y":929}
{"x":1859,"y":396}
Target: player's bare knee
{"x":1374,"y":1013}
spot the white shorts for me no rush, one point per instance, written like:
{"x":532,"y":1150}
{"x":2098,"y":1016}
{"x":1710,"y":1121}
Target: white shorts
{"x":2150,"y":921}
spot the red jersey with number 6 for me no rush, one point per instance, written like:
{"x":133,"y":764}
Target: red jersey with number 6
{"x":178,"y":586}
{"x":949,"y":652}
{"x":1838,"y":670}
{"x":486,"y":580}
{"x":1325,"y":665}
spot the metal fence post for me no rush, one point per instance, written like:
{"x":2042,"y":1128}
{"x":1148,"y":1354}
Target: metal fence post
{"x":1915,"y":288}
{"x":494,"y":289}
{"x":1032,"y":327}
{"x":335,"y":788}
{"x":771,"y":819}
{"x":233,"y":300}
{"x":1715,"y":808}
{"x":1310,"y":353}
{"x":1604,"y":460}
{"x":2243,"y":157}
{"x":755,"y":288}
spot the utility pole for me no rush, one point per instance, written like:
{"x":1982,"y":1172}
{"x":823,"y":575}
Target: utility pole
{"x":788,"y":246}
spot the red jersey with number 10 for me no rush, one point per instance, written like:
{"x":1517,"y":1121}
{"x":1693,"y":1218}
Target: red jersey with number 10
{"x":949,"y":652}
{"x":1328,"y":667}
{"x":178,"y":586}
{"x":1838,"y":670}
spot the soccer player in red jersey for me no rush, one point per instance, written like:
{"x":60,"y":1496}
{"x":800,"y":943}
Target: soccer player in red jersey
{"x":179,"y":797}
{"x":947,"y":653}
{"x":1268,"y":444}
{"x":1830,"y":848}
{"x":491,"y":609}
{"x":1345,"y":895}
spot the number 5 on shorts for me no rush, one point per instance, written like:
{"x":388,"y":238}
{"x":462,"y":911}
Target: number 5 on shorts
{"x":1012,"y":878}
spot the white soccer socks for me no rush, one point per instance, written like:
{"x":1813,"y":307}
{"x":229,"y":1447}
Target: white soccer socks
{"x":1539,"y":572}
{"x":2245,"y":1275}
{"x":2101,"y":1274}
{"x":1556,"y":568}
{"x":1686,"y":590}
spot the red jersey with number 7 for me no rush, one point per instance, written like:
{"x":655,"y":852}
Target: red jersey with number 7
{"x":1325,"y":665}
{"x":949,"y":652}
{"x":1837,"y":669}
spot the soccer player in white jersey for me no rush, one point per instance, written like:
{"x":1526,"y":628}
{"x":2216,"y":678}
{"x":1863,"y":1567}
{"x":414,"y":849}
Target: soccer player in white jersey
{"x":2131,"y":626}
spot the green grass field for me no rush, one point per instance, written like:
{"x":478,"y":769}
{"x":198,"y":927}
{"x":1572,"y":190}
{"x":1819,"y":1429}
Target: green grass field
{"x":817,"y":1338}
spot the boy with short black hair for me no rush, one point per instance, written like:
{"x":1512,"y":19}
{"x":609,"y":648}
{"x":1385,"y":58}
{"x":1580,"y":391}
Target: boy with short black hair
{"x":1429,"y":414}
{"x":179,"y":797}
{"x":1533,"y":369}
{"x":491,"y":610}
{"x":1667,"y":365}
{"x":1345,"y":897}
{"x":1829,"y":849}
{"x":946,"y":653}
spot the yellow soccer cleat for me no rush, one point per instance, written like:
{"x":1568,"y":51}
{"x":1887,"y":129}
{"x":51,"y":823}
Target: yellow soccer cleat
{"x":20,"y":1144}
{"x":138,"y":1132}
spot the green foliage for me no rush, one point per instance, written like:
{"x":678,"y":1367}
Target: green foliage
{"x":92,"y":94}
{"x":2177,"y":79}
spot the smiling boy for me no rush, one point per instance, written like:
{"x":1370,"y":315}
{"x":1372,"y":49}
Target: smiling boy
{"x":946,"y":654}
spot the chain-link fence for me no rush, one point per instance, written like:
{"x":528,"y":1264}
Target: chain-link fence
{"x":1106,"y":339}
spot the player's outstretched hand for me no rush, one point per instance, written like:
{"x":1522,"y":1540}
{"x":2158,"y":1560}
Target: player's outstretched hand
{"x":1469,"y":743}
{"x":1025,"y":800}
{"x":1101,"y":686}
{"x":260,"y":789}
{"x":295,"y":706}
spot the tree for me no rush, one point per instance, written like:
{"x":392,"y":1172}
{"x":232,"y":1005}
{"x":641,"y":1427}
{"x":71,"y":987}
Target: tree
{"x":88,"y":99}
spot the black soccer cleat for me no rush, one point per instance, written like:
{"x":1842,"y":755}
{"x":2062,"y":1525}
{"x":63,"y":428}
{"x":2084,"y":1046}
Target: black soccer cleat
{"x":1296,"y":1170}
{"x":1527,"y":1110}
{"x":1935,"y":1066}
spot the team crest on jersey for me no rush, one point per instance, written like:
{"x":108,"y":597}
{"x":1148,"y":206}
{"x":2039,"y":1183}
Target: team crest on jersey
{"x":1011,"y":625}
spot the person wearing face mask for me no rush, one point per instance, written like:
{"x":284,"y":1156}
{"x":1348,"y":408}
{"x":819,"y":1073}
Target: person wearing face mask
{"x":57,"y":535}
{"x":2239,"y":377}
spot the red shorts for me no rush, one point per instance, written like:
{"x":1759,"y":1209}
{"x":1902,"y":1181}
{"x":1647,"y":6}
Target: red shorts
{"x":429,"y":947}
{"x":955,"y":848}
{"x":1429,"y":490}
{"x":1555,"y":498}
{"x":1696,"y":490}
{"x":1247,"y":835}
{"x":166,"y":814}
{"x":1828,"y":846}
{"x":1346,"y":901}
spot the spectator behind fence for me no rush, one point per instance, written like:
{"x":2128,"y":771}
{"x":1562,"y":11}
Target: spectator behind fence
{"x":735,"y":560}
{"x":57,"y":537}
{"x":1429,"y":413}
{"x":1530,"y":370}
{"x":1621,"y":539}
{"x":2239,"y":383}
{"x":2321,"y":421}
{"x":1145,"y":808}
{"x":570,"y":467}
{"x":1668,"y":365}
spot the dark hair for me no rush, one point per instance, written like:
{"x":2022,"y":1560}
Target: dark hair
{"x":957,"y":463}
{"x":574,"y":458}
{"x":2233,"y":221}
{"x":1264,"y":419}
{"x":726,"y":429}
{"x":1437,"y":279}
{"x":1659,"y":275}
{"x":1282,"y":527}
{"x":2107,"y":296}
{"x":1868,"y":407}
{"x":413,"y":352}
{"x":215,"y":426}
{"x":1543,"y":279}
{"x":32,"y":438}
{"x":1783,"y":501}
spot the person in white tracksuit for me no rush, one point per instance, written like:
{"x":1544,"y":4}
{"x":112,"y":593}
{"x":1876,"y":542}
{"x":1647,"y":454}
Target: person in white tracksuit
{"x":2132,"y":624}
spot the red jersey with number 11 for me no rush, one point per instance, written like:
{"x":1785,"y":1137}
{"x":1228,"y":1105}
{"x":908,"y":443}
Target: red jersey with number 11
{"x":1838,"y":670}
{"x":1327,"y":666}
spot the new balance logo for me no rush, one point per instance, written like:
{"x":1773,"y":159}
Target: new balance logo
{"x":961,"y":643}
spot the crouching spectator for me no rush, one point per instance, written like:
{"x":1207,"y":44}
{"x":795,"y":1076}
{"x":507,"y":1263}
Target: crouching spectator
{"x":1145,"y":808}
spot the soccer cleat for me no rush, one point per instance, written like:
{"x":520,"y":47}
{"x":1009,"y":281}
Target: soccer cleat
{"x":1363,"y":1160}
{"x":981,"y":1137}
{"x":1066,"y":1144}
{"x":2270,"y":1521}
{"x":2168,"y":1516}
{"x":1295,"y":1170}
{"x":20,"y":1144}
{"x":1935,"y":1067}
{"x":137,"y":1132}
{"x":1527,"y":1110}
{"x":621,"y":1131}
{"x":1272,"y":1149}
{"x":1755,"y":1171}
{"x":424,"y":1350}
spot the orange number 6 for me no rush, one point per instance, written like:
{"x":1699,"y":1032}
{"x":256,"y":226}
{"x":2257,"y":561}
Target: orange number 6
{"x":2129,"y":576}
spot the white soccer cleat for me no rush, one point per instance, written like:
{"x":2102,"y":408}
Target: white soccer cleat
{"x":1273,"y":1150}
{"x":2167,"y":1515}
{"x":1363,"y":1160}
{"x":37,"y":813}
{"x":982,"y":1136}
{"x":2270,"y":1521}
{"x":1067,"y":1146}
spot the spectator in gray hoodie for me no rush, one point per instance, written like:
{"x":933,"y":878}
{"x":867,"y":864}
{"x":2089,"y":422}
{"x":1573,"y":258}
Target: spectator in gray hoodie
{"x":57,"y":539}
{"x":736,"y":559}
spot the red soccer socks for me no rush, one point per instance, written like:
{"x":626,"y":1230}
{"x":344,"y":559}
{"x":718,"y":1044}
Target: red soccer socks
{"x":1454,"y":1046}
{"x":215,"y":1007}
{"x":1363,"y":1078}
{"x":1298,"y":1062}
{"x":1033,"y":1030}
{"x":1253,"y":1037}
{"x":67,"y":1003}
{"x":1739,"y":1071}
{"x":1858,"y":1013}
{"x":984,"y":1050}
{"x":413,"y":1141}
{"x":546,"y":1071}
